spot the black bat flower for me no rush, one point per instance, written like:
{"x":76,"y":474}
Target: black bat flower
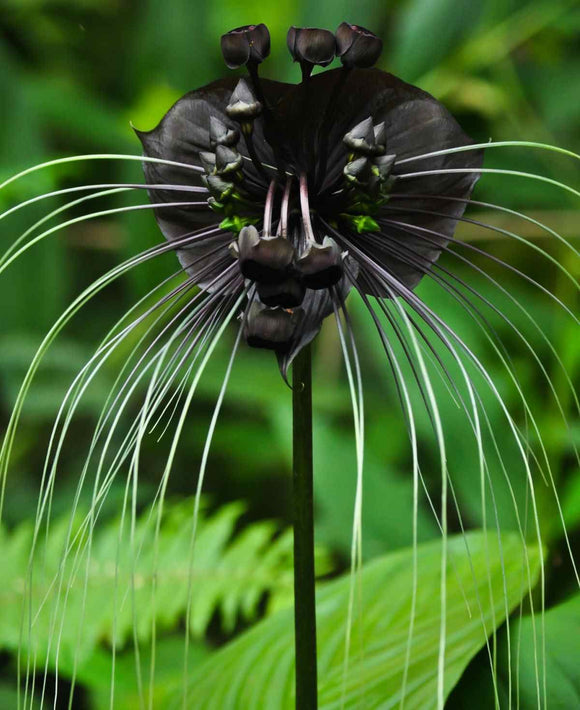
{"x":280,"y":200}
{"x":311,"y":189}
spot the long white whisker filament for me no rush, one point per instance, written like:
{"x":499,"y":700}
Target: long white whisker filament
{"x":410,"y":421}
{"x":497,"y":208}
{"x":198,"y":491}
{"x":397,"y":289}
{"x":77,"y":304}
{"x":486,"y":146}
{"x":111,"y":189}
{"x":92,"y":516}
{"x":98,"y":156}
{"x":358,"y":415}
{"x":178,"y":429}
{"x":95,"y":215}
{"x":103,"y":189}
{"x":492,"y":171}
{"x":518,"y":386}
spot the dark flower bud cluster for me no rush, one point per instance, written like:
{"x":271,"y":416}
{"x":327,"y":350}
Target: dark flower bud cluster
{"x":224,"y":177}
{"x":281,"y":279}
{"x":282,"y":276}
{"x":367,"y":172}
{"x":356,"y":47}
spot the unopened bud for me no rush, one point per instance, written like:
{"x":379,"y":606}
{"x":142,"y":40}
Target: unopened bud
{"x":227,"y":160}
{"x":220,"y":134}
{"x":263,"y":259}
{"x":361,"y":138}
{"x":357,"y":47}
{"x":207,"y":161}
{"x":311,"y":47}
{"x":358,"y":172}
{"x":245,"y":45}
{"x":271,"y":328}
{"x":321,"y":265}
{"x":243,"y":105}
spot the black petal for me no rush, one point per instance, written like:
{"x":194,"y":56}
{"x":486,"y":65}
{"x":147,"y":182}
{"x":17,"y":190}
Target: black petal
{"x":321,"y":265}
{"x":180,"y":136}
{"x":264,"y":259}
{"x":414,"y":123}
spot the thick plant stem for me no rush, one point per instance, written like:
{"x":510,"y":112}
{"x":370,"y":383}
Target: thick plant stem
{"x":304,"y":603}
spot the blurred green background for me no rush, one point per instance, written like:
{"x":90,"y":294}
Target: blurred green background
{"x":75,"y":73}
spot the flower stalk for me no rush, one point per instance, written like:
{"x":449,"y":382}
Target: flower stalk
{"x":304,"y":592}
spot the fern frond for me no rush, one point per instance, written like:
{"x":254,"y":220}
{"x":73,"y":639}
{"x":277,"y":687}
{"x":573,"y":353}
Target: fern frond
{"x":232,"y":573}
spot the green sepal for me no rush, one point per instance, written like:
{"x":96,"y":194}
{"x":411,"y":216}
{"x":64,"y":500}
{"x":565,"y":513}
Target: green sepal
{"x":361,"y":222}
{"x":215,"y":205}
{"x":235,"y":223}
{"x":227,"y":208}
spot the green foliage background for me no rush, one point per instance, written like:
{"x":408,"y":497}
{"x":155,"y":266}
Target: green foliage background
{"x":75,"y":73}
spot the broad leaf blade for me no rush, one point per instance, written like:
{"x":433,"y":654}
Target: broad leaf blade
{"x":561,"y":627}
{"x":562,"y":643}
{"x":257,"y":670}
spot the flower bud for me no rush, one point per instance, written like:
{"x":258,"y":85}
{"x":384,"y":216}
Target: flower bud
{"x":227,"y":160}
{"x":358,"y":172}
{"x":220,"y":189}
{"x":311,"y":46}
{"x":243,"y":105}
{"x":207,"y":161}
{"x":220,"y":134}
{"x":321,"y":265}
{"x":263,"y":259}
{"x":287,"y":293}
{"x":357,"y":47}
{"x":361,"y":139}
{"x":383,"y":165}
{"x":271,"y":328}
{"x":380,"y":138}
{"x":245,"y":45}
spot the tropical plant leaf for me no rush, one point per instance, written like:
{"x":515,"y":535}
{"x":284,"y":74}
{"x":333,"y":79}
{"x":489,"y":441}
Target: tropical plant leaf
{"x":561,"y":639}
{"x":562,"y":643}
{"x":257,"y":670}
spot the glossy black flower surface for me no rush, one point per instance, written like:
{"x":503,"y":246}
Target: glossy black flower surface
{"x":311,"y":46}
{"x":247,"y":44}
{"x":310,"y":193}
{"x":356,"y":46}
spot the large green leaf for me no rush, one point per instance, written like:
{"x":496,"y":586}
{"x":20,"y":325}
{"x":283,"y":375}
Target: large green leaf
{"x":562,"y":644}
{"x":257,"y":670}
{"x":559,"y":635}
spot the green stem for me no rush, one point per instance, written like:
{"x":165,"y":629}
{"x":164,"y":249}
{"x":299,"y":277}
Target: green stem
{"x":304,"y":603}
